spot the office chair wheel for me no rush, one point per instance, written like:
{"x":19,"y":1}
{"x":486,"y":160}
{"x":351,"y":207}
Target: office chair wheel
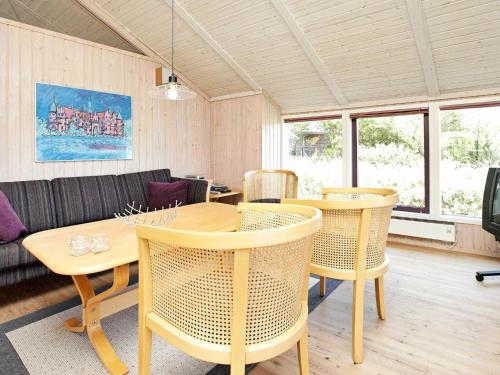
{"x":479,"y":277}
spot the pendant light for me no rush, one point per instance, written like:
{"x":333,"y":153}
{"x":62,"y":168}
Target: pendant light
{"x":173,"y":90}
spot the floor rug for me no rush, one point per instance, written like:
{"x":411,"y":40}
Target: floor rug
{"x":38,"y":344}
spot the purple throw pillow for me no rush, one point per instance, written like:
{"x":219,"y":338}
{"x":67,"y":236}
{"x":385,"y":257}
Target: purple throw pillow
{"x":11,"y":227}
{"x":163,"y":194}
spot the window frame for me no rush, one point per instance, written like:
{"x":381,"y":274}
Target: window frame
{"x":312,"y":118}
{"x":434,"y":106}
{"x":354,"y":150}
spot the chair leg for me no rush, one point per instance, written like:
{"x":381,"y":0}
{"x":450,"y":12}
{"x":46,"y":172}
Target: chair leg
{"x":303,"y":354}
{"x":357,"y":321}
{"x":145,"y":343}
{"x":322,"y":286}
{"x":379,"y":293}
{"x":237,"y":369}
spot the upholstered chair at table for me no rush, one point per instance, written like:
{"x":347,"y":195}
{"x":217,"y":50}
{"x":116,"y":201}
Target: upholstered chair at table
{"x":269,"y":185}
{"x":232,"y":298}
{"x":351,"y":245}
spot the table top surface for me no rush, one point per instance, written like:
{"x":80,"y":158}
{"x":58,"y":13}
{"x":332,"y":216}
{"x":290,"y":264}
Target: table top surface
{"x":215,"y":195}
{"x":51,"y":247}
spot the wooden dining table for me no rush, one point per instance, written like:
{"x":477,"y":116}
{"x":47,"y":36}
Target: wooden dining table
{"x":51,"y":247}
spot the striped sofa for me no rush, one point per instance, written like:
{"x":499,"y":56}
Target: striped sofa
{"x":44,"y":204}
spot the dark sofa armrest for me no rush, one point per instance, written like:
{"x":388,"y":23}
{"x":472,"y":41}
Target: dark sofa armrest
{"x":197,"y":189}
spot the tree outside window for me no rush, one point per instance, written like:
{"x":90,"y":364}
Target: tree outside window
{"x":470,"y":144}
{"x":390,"y":152}
{"x":315,"y":155}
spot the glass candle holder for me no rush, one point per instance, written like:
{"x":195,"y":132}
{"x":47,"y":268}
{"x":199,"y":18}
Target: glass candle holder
{"x":100,"y":243}
{"x":79,"y":245}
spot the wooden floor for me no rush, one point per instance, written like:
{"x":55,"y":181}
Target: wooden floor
{"x":439,"y":319}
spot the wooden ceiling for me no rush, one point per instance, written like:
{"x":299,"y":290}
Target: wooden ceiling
{"x":306,"y":55}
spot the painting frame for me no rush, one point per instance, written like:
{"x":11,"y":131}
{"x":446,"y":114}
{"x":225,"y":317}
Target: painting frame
{"x":107,"y":141}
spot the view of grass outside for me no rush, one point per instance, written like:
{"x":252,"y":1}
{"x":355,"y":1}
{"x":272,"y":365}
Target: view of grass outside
{"x":470,"y":144}
{"x":391,"y":154}
{"x":315,"y":155}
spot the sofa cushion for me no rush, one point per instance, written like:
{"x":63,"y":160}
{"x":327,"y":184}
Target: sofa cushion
{"x":33,"y":202}
{"x":84,"y":199}
{"x":14,"y":254}
{"x":167,"y":194}
{"x":11,"y":227}
{"x":134,"y":186}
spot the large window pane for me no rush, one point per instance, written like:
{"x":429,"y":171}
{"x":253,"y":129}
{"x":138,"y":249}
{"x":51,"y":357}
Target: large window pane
{"x":315,"y":154}
{"x":470,"y":143}
{"x":390,"y":153}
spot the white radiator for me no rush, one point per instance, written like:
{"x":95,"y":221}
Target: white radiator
{"x":442,"y":231}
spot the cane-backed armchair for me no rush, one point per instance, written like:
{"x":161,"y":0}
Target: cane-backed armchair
{"x":269,"y":185}
{"x":351,"y":245}
{"x":232,"y":298}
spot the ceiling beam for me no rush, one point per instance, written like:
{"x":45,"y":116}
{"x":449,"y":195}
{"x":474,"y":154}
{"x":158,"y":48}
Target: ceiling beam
{"x":422,"y":40}
{"x":105,"y":17}
{"x":186,"y":17}
{"x":235,"y":95}
{"x":309,"y":51}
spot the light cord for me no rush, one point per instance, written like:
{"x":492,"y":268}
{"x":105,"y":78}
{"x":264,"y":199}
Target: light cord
{"x":173,"y":3}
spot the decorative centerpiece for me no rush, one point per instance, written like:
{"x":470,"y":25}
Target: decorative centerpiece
{"x":137,"y":216}
{"x":81,"y":245}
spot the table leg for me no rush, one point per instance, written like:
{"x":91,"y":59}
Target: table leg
{"x":91,"y":317}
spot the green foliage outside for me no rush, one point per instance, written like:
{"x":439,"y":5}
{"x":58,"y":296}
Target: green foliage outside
{"x":331,"y":130}
{"x":315,"y":154}
{"x":470,"y":145}
{"x":391,"y":154}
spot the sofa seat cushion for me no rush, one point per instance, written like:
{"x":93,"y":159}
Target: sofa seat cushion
{"x":134,"y":186}
{"x":33,"y":201}
{"x":14,"y":254}
{"x":84,"y":199}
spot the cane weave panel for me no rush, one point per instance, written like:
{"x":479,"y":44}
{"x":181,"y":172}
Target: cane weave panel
{"x":351,"y":196}
{"x":270,"y":185}
{"x":336,"y":243}
{"x":193,"y":288}
{"x":258,"y":220}
{"x":275,"y":286}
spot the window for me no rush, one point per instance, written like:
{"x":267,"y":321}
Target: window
{"x":314,"y":153}
{"x":391,"y":150}
{"x":470,"y":143}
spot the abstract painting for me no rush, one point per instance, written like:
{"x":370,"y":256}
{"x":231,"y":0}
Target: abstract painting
{"x":77,"y":124}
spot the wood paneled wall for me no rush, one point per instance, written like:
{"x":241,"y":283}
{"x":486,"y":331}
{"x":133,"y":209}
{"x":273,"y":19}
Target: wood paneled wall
{"x":172,"y":135}
{"x":272,"y":127}
{"x":236,"y":139}
{"x":246,"y":135}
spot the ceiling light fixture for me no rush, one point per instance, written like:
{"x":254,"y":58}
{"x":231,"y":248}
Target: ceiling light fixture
{"x":173,"y":90}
